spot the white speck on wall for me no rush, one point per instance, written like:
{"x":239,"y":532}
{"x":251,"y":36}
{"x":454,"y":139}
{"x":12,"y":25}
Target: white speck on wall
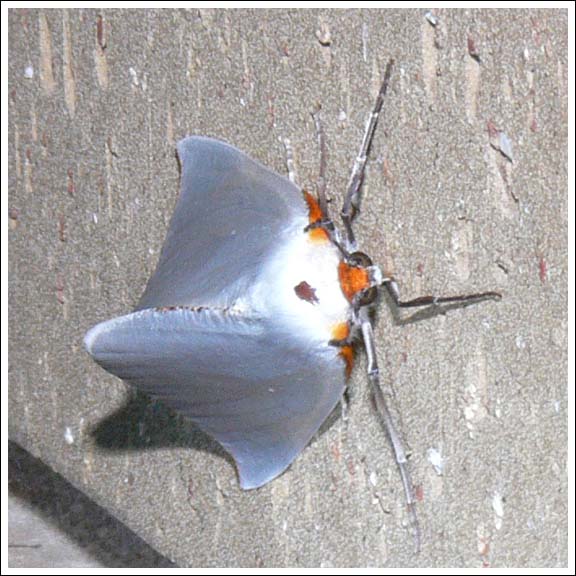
{"x":29,"y":72}
{"x":498,"y":507}
{"x":373,"y":478}
{"x":133,"y":76}
{"x":500,"y":141}
{"x":342,"y":116}
{"x":520,"y":342}
{"x":431,"y":18}
{"x":68,"y":435}
{"x":435,"y":458}
{"x":506,"y":146}
{"x":498,"y":412}
{"x":323,"y":34}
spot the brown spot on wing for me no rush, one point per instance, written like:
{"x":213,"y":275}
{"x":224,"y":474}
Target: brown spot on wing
{"x":305,"y":292}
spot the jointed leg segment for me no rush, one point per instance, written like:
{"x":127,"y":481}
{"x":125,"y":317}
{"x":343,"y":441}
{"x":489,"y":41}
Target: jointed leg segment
{"x":392,"y":288}
{"x":388,"y":421}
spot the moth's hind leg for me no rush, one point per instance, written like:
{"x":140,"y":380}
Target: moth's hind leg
{"x":429,"y":300}
{"x":388,"y":422}
{"x":352,"y":199}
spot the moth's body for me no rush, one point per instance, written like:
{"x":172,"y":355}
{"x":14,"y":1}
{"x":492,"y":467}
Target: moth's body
{"x":300,"y":288}
{"x":246,"y":327}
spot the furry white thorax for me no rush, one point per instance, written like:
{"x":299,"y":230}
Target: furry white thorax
{"x":300,"y":259}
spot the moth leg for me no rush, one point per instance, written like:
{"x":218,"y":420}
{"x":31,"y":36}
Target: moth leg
{"x":344,"y":404}
{"x":389,"y":426}
{"x":352,"y":199}
{"x":345,"y":398}
{"x":321,"y":182}
{"x":292,"y":176}
{"x":392,"y":288}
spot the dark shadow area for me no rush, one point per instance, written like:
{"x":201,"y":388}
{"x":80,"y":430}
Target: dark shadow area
{"x":145,"y":423}
{"x":101,"y":535}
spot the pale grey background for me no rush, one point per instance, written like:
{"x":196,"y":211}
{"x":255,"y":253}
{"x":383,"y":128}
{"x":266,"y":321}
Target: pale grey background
{"x":97,"y":102}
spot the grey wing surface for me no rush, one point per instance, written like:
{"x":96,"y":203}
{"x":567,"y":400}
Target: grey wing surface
{"x":232,"y":213}
{"x":254,"y":389}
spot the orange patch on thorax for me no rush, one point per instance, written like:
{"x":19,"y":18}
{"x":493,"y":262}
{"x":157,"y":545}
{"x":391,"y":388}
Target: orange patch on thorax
{"x":352,"y":279}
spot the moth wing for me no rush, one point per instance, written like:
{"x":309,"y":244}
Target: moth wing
{"x":231,"y":214}
{"x":256,"y":390}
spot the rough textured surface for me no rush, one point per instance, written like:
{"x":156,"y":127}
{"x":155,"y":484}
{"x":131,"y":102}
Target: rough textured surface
{"x":97,"y":102}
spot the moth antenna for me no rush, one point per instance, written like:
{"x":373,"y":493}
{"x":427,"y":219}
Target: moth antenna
{"x":352,"y":198}
{"x":321,"y":182}
{"x":389,"y":426}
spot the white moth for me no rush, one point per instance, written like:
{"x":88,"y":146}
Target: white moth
{"x":248,"y":324}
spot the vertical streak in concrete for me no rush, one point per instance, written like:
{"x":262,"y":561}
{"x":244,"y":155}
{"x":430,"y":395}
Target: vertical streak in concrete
{"x":28,"y":172}
{"x":17,"y":158}
{"x":46,"y":72}
{"x":472,"y":78}
{"x":108,"y":155}
{"x":100,"y":60}
{"x":67,"y":70}
{"x":33,"y":124}
{"x":429,"y":59}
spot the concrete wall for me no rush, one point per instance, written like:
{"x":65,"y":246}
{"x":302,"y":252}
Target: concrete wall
{"x":97,"y":101}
